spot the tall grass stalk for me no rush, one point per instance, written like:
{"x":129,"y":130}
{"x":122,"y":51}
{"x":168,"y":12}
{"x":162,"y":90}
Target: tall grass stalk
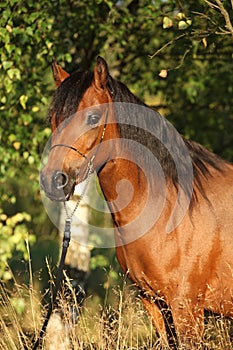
{"x":119,"y":326}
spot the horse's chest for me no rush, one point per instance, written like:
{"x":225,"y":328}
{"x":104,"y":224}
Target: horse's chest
{"x":140,"y":267}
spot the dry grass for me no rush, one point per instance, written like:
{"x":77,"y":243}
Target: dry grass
{"x":124,"y":325}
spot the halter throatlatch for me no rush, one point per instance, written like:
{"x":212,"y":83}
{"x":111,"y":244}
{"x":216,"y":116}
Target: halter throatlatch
{"x":67,"y":232}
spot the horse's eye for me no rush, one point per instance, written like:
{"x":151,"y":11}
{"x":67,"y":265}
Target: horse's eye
{"x":93,"y":119}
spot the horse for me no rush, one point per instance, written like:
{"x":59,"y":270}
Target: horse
{"x":170,"y":198}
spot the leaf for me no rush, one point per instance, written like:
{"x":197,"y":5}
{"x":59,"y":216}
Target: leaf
{"x":10,"y":48}
{"x":14,"y":73}
{"x":7,"y":64}
{"x":182,"y":25}
{"x":3,"y":33}
{"x":3,"y":99}
{"x":31,"y":160}
{"x":180,"y":15}
{"x":12,"y":137}
{"x":167,"y":22}
{"x":17,"y":145}
{"x":8,"y":28}
{"x":35,"y":109}
{"x":163,"y":73}
{"x":204,"y":42}
{"x":23,"y":100}
{"x":25,"y":154}
{"x":33,"y":16}
{"x":29,"y":31}
{"x":8,"y":85}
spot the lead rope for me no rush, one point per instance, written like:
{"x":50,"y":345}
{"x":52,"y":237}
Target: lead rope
{"x":65,"y":245}
{"x":67,"y":235}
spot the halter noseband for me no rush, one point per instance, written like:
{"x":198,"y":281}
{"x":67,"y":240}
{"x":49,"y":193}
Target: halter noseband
{"x":70,"y":147}
{"x":80,"y":153}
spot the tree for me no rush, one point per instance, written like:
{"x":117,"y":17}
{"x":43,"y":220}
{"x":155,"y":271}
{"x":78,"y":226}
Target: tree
{"x":181,"y":53}
{"x":31,"y":34}
{"x":24,"y":45}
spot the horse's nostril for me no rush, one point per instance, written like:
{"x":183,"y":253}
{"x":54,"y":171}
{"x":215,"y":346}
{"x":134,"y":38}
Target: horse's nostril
{"x":60,"y":180}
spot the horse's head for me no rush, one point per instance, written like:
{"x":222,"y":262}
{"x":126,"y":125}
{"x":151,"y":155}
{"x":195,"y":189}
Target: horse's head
{"x":80,"y":117}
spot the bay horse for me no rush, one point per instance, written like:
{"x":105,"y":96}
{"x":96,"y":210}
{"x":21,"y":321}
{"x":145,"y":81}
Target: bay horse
{"x":171,"y":200}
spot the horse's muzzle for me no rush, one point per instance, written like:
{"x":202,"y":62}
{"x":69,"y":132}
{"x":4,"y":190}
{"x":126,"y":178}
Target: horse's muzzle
{"x":57,"y":186}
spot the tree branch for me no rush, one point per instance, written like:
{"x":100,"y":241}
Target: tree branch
{"x":225,"y":14}
{"x":167,"y":44}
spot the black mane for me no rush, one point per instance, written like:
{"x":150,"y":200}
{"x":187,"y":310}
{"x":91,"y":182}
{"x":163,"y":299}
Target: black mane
{"x":202,"y":159}
{"x":69,"y":94}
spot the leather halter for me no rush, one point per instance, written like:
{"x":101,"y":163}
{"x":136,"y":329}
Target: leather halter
{"x":70,"y":147}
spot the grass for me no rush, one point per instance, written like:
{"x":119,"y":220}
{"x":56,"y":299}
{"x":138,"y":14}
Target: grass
{"x":123,"y":325}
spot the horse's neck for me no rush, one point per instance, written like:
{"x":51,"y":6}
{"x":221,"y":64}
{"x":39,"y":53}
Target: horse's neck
{"x":132,"y":197}
{"x":122,"y":183}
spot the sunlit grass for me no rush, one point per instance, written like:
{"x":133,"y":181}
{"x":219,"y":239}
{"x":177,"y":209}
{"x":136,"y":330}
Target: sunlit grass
{"x":121,"y":325}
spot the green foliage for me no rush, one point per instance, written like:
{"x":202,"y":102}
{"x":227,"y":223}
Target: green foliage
{"x":23,"y":32}
{"x":26,"y":49}
{"x":182,"y":51}
{"x":13,"y":236}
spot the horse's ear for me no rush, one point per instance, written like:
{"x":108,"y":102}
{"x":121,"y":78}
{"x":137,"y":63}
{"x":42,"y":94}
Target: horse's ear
{"x":101,"y":73}
{"x":59,"y":74}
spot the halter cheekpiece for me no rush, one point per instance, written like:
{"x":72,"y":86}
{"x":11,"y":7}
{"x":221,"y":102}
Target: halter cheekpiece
{"x":77,"y":150}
